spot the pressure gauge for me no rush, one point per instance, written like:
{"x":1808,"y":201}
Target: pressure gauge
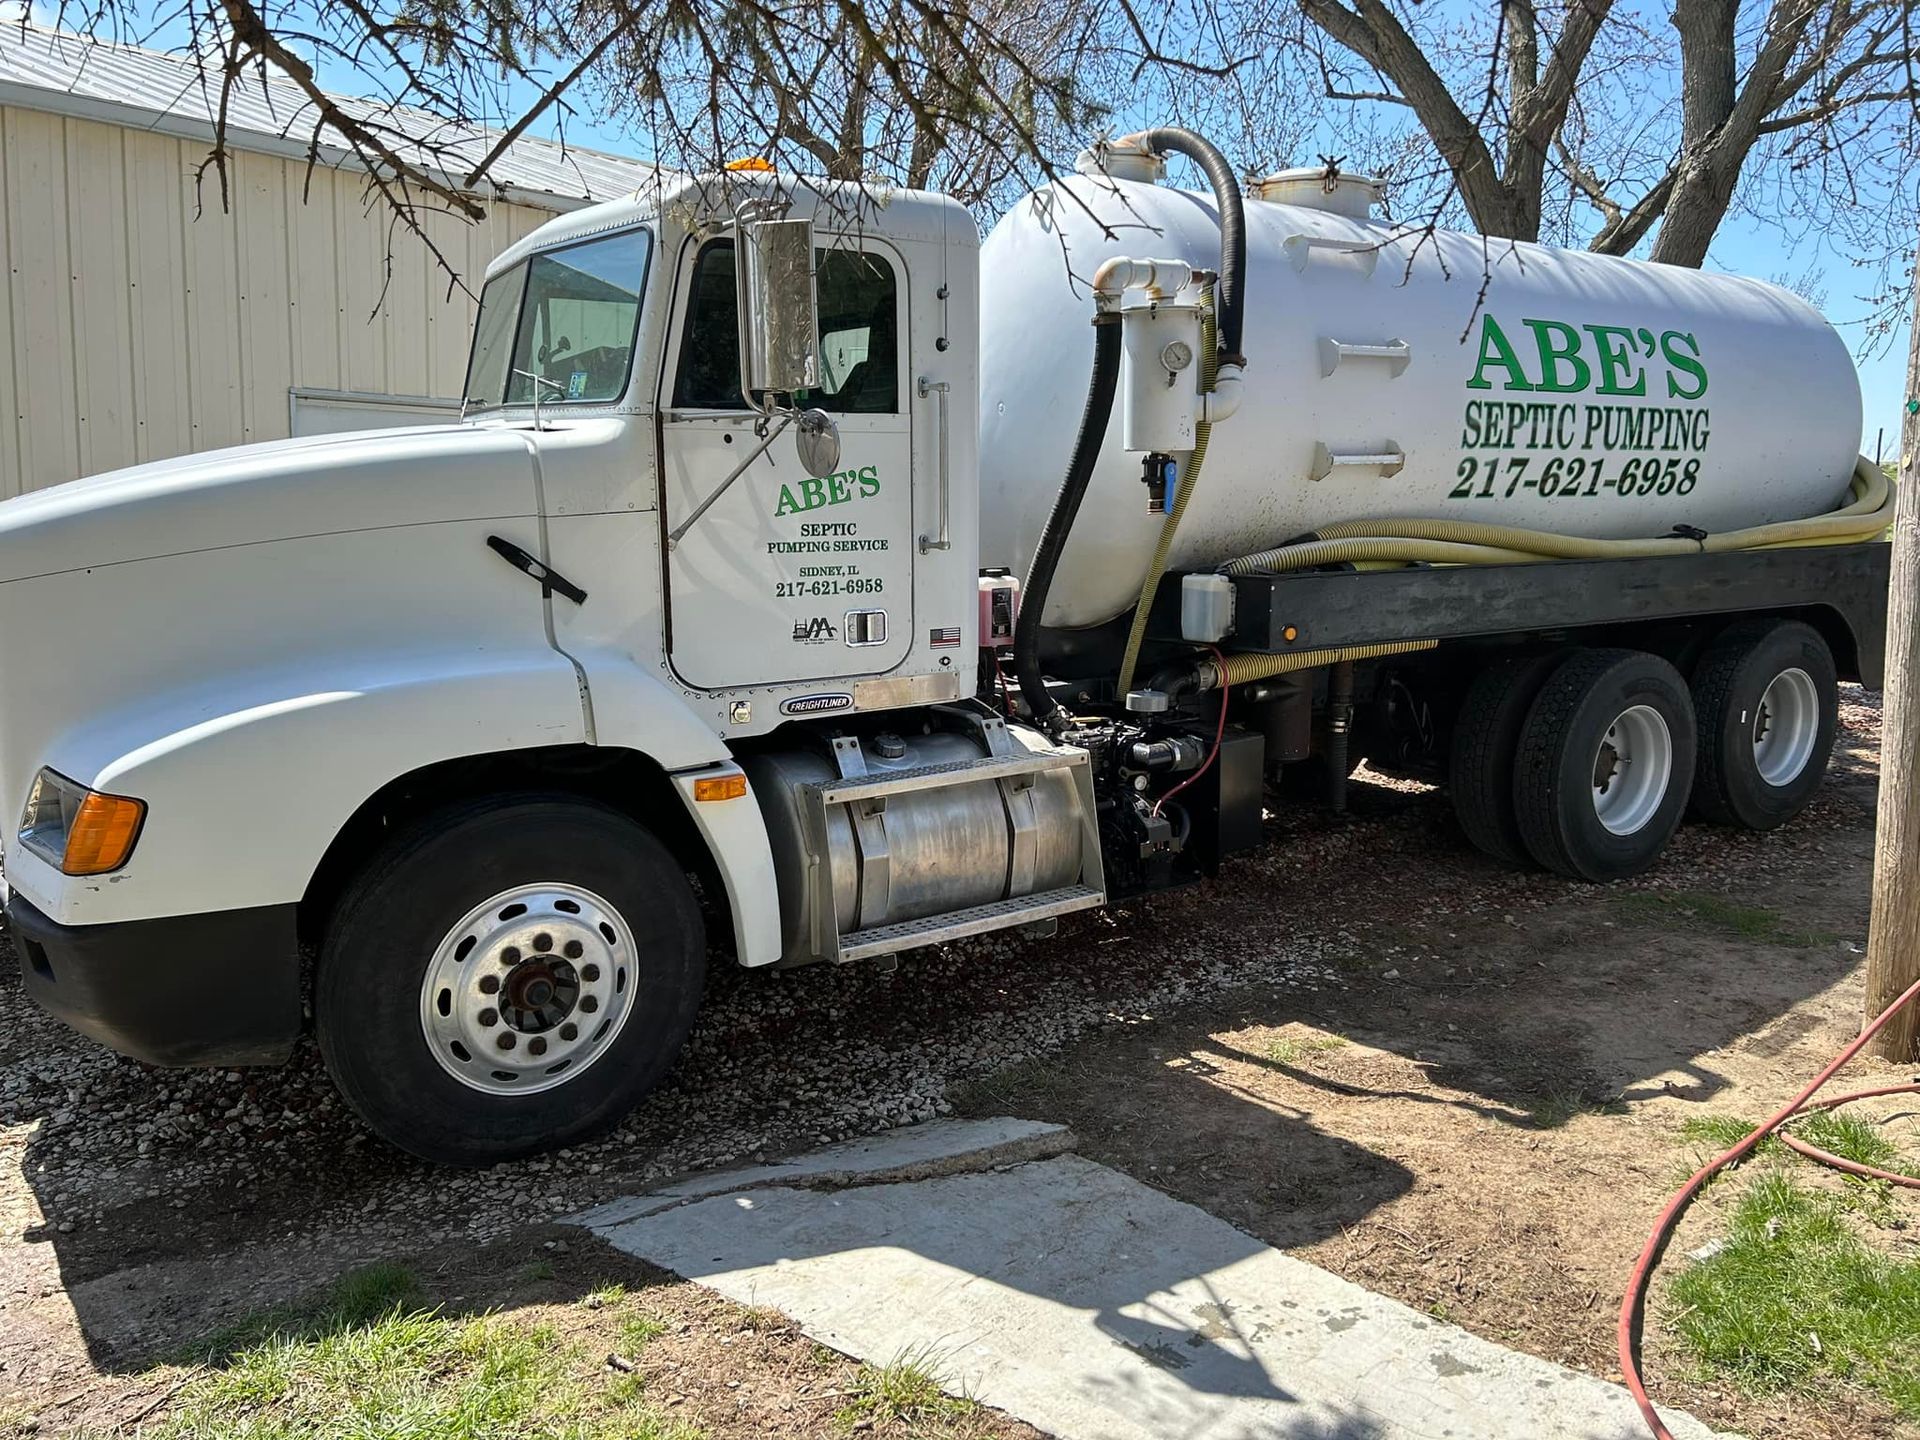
{"x":1177,"y":356}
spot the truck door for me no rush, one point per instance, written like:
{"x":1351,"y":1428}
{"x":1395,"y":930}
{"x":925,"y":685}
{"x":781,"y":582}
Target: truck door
{"x":789,"y":577}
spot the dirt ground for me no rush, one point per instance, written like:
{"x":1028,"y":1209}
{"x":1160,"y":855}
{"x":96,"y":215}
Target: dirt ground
{"x":1486,"y":1122}
{"x":1455,"y":1084}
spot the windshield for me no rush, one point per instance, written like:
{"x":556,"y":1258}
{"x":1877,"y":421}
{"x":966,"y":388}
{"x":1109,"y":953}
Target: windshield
{"x":567,"y":316}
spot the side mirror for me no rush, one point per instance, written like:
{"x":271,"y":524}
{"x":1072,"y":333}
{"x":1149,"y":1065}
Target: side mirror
{"x":818,"y":440}
{"x":779,"y":335}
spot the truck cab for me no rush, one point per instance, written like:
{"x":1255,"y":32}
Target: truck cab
{"x":522,"y":678}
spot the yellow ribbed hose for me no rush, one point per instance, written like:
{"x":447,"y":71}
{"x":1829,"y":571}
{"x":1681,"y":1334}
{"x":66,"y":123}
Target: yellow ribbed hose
{"x":1308,"y":553}
{"x":1245,"y":668}
{"x":1189,"y":472}
{"x":1470,"y":542}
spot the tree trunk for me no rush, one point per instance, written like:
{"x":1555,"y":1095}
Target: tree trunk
{"x":1709,"y":85}
{"x":1893,"y":943}
{"x":1719,"y":118}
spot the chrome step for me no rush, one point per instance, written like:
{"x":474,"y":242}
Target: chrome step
{"x":877,"y":783}
{"x":976,"y":920}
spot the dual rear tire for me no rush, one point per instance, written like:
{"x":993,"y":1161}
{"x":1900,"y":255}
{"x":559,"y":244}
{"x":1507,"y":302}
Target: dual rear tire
{"x":1584,"y":761}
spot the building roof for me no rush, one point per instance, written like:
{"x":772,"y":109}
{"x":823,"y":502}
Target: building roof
{"x":69,"y":74}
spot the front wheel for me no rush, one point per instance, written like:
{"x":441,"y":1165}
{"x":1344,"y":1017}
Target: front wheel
{"x":508,"y":976}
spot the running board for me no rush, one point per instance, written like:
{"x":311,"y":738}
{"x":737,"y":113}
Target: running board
{"x":978,"y":920}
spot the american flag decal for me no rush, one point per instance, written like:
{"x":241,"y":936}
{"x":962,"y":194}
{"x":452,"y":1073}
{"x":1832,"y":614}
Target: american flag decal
{"x":943,"y":636}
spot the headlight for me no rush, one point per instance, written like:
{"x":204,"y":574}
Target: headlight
{"x":80,"y":830}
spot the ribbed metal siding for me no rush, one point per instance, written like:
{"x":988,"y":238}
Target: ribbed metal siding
{"x":138,"y":321}
{"x":169,"y":94}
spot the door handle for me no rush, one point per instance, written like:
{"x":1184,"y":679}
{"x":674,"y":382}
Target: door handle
{"x":940,"y":389}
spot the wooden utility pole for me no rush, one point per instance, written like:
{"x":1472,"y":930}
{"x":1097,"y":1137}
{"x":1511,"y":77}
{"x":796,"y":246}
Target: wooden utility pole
{"x":1893,"y":942}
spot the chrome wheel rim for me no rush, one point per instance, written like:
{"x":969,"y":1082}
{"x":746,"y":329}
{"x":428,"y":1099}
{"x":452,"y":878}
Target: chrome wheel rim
{"x":1785,"y":726}
{"x":529,"y":989}
{"x":1631,"y":769}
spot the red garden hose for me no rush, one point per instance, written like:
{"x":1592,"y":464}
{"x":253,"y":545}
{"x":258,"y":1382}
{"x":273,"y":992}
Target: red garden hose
{"x":1633,"y":1304}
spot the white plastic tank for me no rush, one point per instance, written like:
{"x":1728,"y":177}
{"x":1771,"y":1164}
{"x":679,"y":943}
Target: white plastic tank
{"x":1393,"y":372}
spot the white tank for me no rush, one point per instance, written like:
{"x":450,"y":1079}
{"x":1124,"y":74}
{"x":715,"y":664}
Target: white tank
{"x":1578,"y":393}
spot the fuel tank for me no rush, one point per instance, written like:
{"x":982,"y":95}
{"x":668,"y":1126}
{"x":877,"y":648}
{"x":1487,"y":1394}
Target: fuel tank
{"x":917,"y":853}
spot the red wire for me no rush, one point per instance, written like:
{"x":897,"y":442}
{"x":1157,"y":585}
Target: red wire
{"x":1633,"y":1303}
{"x":1219,"y":735}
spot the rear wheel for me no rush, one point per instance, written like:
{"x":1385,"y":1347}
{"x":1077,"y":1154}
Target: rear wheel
{"x":1486,"y":736}
{"x":507,"y":977}
{"x":1604,"y":764}
{"x":1768,"y":703}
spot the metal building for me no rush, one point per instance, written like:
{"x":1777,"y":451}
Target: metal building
{"x":140,"y":321}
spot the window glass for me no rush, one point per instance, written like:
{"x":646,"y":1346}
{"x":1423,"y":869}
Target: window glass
{"x":709,"y":377}
{"x":578,"y":318}
{"x":493,"y":336}
{"x":859,"y":352}
{"x":859,"y":349}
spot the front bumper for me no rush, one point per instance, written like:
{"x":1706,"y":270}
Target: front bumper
{"x":215,"y":989}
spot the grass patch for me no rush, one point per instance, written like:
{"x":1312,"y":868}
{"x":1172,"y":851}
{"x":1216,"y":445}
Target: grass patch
{"x":637,"y":1331}
{"x":906,"y":1392}
{"x":1720,"y":1133}
{"x":1852,"y":1138}
{"x":1698,"y":910}
{"x":1796,"y":1295}
{"x":1294,"y":1049}
{"x":762,"y":1319}
{"x":1026,"y":1087}
{"x":1848,"y":1136}
{"x":357,"y":1298}
{"x":1560,"y":1107}
{"x":368,"y":1359}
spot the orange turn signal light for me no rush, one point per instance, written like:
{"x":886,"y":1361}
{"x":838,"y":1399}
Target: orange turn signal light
{"x":720,"y":787}
{"x":757,"y":163}
{"x":102,"y":835}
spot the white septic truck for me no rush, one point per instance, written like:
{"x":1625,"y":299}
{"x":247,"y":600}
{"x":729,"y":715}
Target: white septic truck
{"x":807,"y":579}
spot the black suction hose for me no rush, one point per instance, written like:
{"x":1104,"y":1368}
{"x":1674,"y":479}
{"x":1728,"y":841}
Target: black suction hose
{"x":1093,"y":424}
{"x":1066,"y":505}
{"x":1233,"y":228}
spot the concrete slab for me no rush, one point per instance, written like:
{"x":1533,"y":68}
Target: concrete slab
{"x":913,"y":1152}
{"x":1097,"y":1308}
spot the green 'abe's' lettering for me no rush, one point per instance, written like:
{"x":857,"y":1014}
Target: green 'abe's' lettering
{"x":1687,"y":364}
{"x":836,"y":489}
{"x":1497,"y":350}
{"x":1602,"y":359}
{"x":1614,"y":345}
{"x":1562,"y":371}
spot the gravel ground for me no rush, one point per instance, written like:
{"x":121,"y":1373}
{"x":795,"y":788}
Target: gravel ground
{"x":124,"y":1171}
